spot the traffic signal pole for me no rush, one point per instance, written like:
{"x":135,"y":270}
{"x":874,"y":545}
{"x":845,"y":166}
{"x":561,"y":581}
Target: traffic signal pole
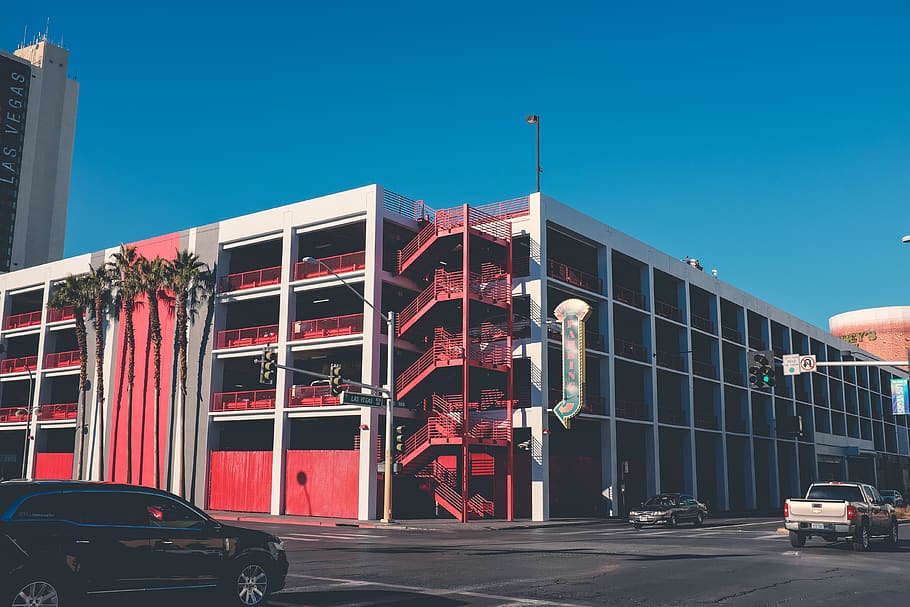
{"x":387,"y":471}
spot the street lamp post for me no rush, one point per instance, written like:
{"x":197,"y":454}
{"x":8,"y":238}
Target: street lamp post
{"x":535,"y":120}
{"x":390,"y":402}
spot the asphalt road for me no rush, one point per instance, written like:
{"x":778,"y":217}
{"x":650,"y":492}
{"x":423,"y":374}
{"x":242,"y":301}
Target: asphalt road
{"x":736,"y":562}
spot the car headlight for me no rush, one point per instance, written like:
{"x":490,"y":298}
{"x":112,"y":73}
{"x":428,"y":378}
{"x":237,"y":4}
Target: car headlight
{"x":665,"y":513}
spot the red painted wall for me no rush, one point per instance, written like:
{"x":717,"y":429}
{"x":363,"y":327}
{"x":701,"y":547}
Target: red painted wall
{"x":322,"y":483}
{"x":240,"y":480}
{"x":54,"y":466}
{"x":142,"y":440}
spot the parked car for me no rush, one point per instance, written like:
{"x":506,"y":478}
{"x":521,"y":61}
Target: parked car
{"x":669,"y":509}
{"x":893,"y":497}
{"x":61,"y":541}
{"x":836,"y":510}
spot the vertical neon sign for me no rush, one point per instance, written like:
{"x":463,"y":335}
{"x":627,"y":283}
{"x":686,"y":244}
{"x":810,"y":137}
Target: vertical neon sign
{"x":572,"y":313}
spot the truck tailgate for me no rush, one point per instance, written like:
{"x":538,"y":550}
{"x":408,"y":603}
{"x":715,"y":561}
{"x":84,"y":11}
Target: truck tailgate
{"x":822,"y":511}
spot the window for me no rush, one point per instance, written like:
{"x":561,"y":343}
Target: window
{"x":121,"y":509}
{"x":841,"y":493}
{"x":164,"y":512}
{"x":47,"y":506}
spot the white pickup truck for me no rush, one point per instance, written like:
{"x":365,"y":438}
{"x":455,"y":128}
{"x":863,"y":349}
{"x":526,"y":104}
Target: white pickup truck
{"x":836,"y":510}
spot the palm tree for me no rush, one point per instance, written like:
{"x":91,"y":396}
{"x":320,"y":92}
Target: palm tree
{"x":73,"y":291}
{"x":124,"y":269}
{"x":191,"y":282}
{"x":97,"y":284}
{"x":155,"y":278}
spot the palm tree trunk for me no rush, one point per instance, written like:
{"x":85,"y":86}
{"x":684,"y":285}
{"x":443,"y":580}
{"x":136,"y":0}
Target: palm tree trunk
{"x":130,"y":379}
{"x":80,"y":407}
{"x":156,"y":353}
{"x":98,"y":421}
{"x":177,"y":479}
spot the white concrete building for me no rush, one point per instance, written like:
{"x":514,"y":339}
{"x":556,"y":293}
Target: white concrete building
{"x":37,"y":129}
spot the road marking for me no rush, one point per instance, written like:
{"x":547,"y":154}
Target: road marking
{"x":436,"y":591}
{"x":333,"y":536}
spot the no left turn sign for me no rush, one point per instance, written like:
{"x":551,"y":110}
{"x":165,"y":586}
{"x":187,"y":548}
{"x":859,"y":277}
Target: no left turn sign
{"x":807,"y":363}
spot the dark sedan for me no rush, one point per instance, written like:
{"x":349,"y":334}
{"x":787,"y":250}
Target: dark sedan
{"x":670,"y":509}
{"x":61,"y":541}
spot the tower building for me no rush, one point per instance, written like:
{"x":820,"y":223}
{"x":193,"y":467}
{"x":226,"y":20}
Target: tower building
{"x":37,"y":128}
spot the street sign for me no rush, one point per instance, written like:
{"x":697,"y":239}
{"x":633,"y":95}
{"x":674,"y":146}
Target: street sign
{"x":791,"y":364}
{"x":362,"y":400}
{"x":366,"y":400}
{"x":807,"y":363}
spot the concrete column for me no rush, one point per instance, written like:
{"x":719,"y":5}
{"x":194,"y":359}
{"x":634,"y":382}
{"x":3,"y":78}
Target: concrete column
{"x":540,"y":468}
{"x":284,"y":379}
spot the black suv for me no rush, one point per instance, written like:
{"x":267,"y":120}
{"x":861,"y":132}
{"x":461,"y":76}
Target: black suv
{"x":63,"y":540}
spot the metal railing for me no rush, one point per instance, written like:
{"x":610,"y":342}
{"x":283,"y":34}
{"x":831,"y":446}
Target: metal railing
{"x":630,"y":296}
{"x":662,"y":308}
{"x":19,"y":321}
{"x":734,"y":377}
{"x":57,"y":411}
{"x":335,"y":326}
{"x":671,"y":360}
{"x":349,"y":262}
{"x":315,"y":396}
{"x":731,"y":334}
{"x":19,"y":365}
{"x":671,"y":415}
{"x":573,"y":276}
{"x":61,"y":314}
{"x":701,"y":323}
{"x":631,"y":409}
{"x":62,"y":359}
{"x":704,"y":369}
{"x":13,"y":414}
{"x":250,"y":280}
{"x":243,"y":401}
{"x":593,"y":339}
{"x":630,"y":349}
{"x":251,"y":336}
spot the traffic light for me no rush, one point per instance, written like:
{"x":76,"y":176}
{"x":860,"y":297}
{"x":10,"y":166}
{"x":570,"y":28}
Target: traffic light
{"x":335,"y":379}
{"x":399,"y":439}
{"x":761,"y":369}
{"x":268,"y":366}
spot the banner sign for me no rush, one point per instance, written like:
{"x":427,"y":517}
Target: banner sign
{"x":899,"y":397}
{"x":572,"y":313}
{"x":14,"y":82}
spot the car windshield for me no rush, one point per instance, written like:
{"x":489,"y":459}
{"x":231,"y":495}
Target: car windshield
{"x":661,"y":500}
{"x":841,"y":493}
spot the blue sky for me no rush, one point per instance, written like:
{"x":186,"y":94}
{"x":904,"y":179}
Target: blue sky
{"x":770,"y":141}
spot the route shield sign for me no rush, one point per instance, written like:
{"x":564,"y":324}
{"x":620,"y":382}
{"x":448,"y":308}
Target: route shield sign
{"x":791,"y":364}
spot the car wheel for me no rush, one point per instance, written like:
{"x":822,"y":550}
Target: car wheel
{"x":699,"y":519}
{"x":35,"y":590}
{"x":861,"y":539}
{"x":248,"y":583}
{"x":893,"y":536}
{"x":672,"y":522}
{"x":797,"y":540}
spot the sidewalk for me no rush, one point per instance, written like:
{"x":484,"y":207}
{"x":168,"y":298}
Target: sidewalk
{"x":408,"y":524}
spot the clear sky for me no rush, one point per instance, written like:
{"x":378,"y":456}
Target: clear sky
{"x":771,"y":141}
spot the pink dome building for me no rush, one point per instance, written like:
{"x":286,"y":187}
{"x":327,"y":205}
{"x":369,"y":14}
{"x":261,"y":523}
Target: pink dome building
{"x":884,"y":332}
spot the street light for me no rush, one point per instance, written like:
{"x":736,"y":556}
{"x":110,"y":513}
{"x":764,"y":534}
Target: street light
{"x":535,"y":120}
{"x":906,"y":238}
{"x":29,"y":411}
{"x":390,"y":321}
